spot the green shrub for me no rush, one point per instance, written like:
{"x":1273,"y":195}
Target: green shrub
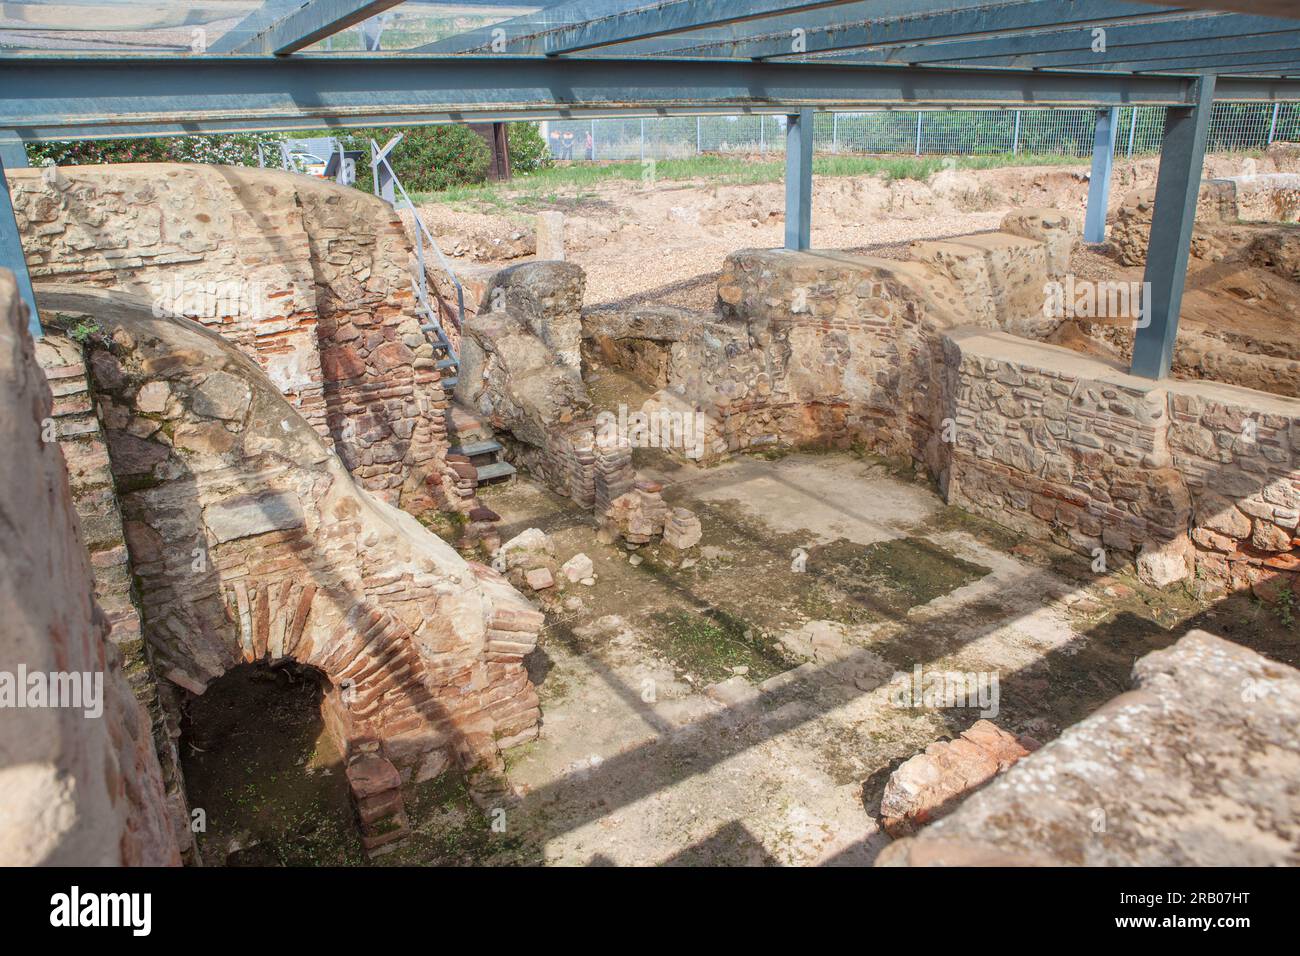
{"x":428,"y":159}
{"x":235,"y":149}
{"x":528,"y":152}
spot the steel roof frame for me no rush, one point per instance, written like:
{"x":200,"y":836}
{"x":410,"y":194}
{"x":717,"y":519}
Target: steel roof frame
{"x":89,"y":97}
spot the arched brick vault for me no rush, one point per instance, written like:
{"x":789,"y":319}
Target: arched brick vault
{"x":250,"y":541}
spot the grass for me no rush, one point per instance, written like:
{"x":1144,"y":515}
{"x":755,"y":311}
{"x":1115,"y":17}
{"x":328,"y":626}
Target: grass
{"x":548,"y":186}
{"x":709,"y":644}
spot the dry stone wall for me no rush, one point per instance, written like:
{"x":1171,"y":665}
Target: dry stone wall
{"x":309,"y":279}
{"x":250,"y":541}
{"x":80,"y":788}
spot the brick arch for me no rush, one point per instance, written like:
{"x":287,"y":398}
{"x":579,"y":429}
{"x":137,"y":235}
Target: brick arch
{"x":250,"y":541}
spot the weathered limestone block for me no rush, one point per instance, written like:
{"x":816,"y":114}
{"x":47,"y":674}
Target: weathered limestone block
{"x":1194,"y":767}
{"x":548,"y":296}
{"x":250,"y":541}
{"x":1004,"y":277}
{"x":578,"y":568}
{"x":1057,"y":230}
{"x":1161,"y":564}
{"x":520,"y":385}
{"x":1129,"y":228}
{"x":550,"y":236}
{"x":1270,"y":197}
{"x":933,"y":782}
{"x":81,"y":784}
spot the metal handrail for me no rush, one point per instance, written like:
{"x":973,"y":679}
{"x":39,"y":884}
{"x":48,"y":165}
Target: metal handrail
{"x":423,"y":233}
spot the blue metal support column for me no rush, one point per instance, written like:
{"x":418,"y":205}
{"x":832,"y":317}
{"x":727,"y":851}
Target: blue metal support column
{"x":798,"y":179}
{"x":13,"y":152}
{"x":11,"y":252}
{"x":1182,"y":153}
{"x":1103,"y":157}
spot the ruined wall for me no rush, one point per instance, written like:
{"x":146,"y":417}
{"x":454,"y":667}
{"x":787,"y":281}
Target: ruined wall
{"x":520,"y":369}
{"x":250,"y":541}
{"x":78,"y":790}
{"x":828,"y":348}
{"x":81,"y":439}
{"x":913,"y":359}
{"x":1065,"y":447}
{"x":1129,"y":227}
{"x":308,"y":278}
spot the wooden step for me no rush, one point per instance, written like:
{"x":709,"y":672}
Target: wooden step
{"x":498,"y":469}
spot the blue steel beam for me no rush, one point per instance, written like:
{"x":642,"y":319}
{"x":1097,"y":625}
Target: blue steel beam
{"x":798,"y":179}
{"x":1266,"y":61}
{"x":900,"y":21}
{"x":312,"y":21}
{"x":1103,"y":156}
{"x":1270,"y":8}
{"x":259,"y":20}
{"x":576,"y":27}
{"x":13,"y":152}
{"x":11,"y":255}
{"x":1199,"y":33}
{"x":1182,"y":153}
{"x":1120,"y":57}
{"x":44,"y":98}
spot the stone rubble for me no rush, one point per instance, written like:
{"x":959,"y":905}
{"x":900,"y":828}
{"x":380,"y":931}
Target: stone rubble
{"x":682,"y":529}
{"x":638,"y":517}
{"x":1196,"y":766}
{"x":929,"y":784}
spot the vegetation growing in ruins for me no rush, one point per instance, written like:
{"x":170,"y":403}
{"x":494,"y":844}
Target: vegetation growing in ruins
{"x":711,"y":644}
{"x":1286,"y":603}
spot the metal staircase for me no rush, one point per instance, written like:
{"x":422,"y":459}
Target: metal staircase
{"x":473,"y":439}
{"x":388,"y":187}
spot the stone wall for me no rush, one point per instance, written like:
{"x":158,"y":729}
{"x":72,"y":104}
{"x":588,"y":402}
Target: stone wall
{"x":1062,"y":446}
{"x":78,"y":790}
{"x":1194,"y":767}
{"x":250,"y":541}
{"x":94,"y":498}
{"x":1129,"y":227}
{"x":828,"y":348}
{"x":521,"y":370}
{"x":913,"y":359}
{"x":309,"y":279}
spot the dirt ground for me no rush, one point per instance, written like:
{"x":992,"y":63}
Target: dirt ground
{"x":665,"y":241}
{"x":721,"y":707}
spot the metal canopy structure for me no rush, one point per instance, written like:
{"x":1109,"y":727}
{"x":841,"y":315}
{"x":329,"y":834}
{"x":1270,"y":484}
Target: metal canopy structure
{"x":86,"y":69}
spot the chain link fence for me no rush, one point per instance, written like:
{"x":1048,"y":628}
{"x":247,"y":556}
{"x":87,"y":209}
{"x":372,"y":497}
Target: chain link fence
{"x":1068,"y":132}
